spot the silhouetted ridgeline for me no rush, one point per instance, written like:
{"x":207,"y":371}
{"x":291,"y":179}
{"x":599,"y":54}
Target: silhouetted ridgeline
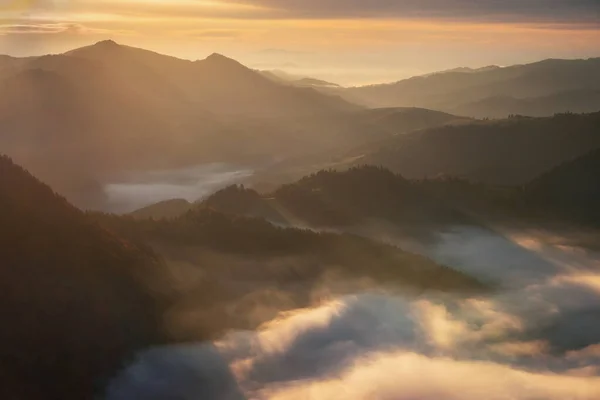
{"x":540,"y":89}
{"x":73,"y":308}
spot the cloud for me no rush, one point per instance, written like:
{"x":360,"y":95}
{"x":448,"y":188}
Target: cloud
{"x":369,"y":346}
{"x":34,"y":29}
{"x":404,"y":376}
{"x":482,"y":10}
{"x":547,"y":11}
{"x":50,"y":28}
{"x":319,"y":341}
{"x":192,"y":183}
{"x":536,"y":340}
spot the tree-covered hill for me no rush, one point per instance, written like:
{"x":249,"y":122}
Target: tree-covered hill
{"x":73,"y":305}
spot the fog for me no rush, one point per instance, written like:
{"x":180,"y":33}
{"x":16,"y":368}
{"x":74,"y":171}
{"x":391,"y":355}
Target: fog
{"x":140,"y":189}
{"x":536,"y":337}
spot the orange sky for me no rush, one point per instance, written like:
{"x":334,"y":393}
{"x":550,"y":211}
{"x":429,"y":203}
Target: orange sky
{"x":351,"y":41}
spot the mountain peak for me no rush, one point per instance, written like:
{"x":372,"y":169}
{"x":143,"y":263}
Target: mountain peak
{"x":219,"y":58}
{"x":101,"y":47}
{"x":216,"y":58}
{"x":219,"y":62}
{"x":107,"y":43}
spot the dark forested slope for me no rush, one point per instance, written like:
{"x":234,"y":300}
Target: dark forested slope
{"x":73,"y":308}
{"x":340,"y":198}
{"x":572,"y":190}
{"x":512,"y":151}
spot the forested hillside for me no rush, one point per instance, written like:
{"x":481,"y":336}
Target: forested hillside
{"x":513,"y":151}
{"x":73,"y":304}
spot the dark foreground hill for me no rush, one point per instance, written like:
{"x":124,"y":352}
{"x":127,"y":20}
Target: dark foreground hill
{"x":73,"y":309}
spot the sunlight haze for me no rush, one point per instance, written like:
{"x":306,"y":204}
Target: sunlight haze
{"x":348,"y":42}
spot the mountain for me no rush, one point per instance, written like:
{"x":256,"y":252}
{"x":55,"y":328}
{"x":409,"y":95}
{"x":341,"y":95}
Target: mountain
{"x":513,"y":151}
{"x":74,"y":306}
{"x":472,"y":92}
{"x":217,"y":84}
{"x":582,"y":100}
{"x":368,"y":127}
{"x":100,"y":114}
{"x":571,"y":190}
{"x":81,"y":119}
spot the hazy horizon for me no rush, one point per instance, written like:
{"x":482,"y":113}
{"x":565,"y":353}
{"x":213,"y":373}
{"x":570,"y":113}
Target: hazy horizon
{"x":351,"y":44}
{"x":304,"y":64}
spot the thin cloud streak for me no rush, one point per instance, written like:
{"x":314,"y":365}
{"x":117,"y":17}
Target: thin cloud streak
{"x":483,"y":11}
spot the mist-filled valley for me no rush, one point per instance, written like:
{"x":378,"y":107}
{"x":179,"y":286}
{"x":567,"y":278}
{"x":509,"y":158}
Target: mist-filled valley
{"x":138,"y":190}
{"x":175,"y":229}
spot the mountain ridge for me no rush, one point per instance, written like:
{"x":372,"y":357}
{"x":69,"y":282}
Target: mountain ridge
{"x":449,"y":91}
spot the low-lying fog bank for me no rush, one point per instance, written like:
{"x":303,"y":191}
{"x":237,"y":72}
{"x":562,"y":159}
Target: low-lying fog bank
{"x":140,"y":189}
{"x":536,"y":338}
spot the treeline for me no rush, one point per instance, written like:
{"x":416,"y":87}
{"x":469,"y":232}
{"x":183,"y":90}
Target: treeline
{"x":338,"y":199}
{"x":332,"y":198}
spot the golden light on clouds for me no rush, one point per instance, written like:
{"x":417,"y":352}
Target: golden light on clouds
{"x":401,"y":38}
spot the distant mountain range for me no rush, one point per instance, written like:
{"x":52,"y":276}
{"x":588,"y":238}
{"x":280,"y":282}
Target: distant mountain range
{"x":84,"y":118}
{"x":97,"y":114}
{"x":539,"y":89}
{"x":107,"y":108}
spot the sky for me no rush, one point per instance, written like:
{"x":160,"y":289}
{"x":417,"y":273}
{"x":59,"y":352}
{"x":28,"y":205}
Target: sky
{"x":351,"y":42}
